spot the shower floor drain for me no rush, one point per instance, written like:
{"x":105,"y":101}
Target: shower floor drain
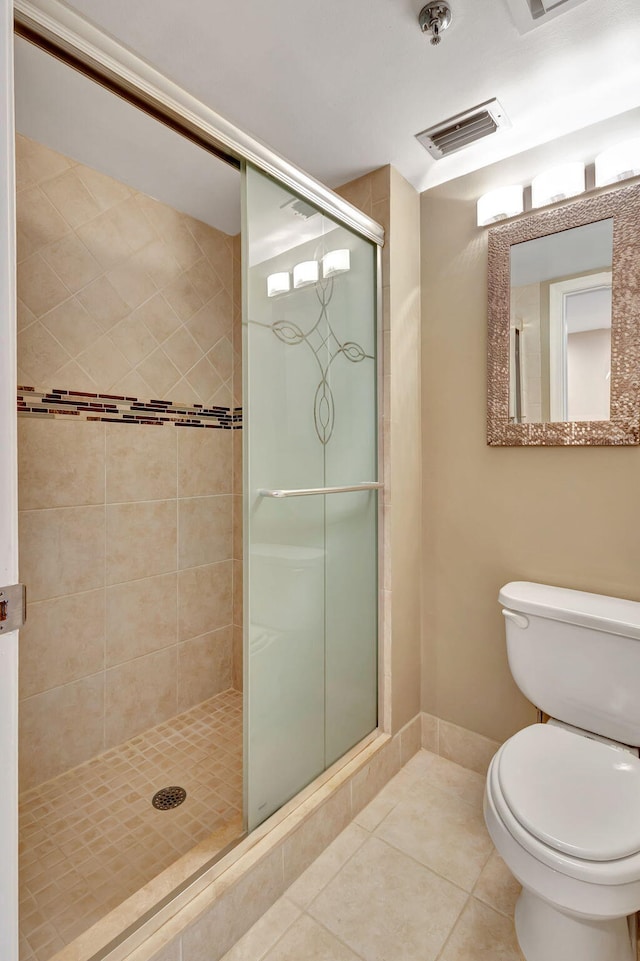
{"x":168,"y":797}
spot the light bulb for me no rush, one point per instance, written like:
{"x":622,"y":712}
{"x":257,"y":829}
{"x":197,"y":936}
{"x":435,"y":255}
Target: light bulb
{"x":499,"y":204}
{"x":278,"y":284}
{"x":306,"y":273}
{"x":618,"y":163}
{"x":335,"y":262}
{"x":558,"y":183}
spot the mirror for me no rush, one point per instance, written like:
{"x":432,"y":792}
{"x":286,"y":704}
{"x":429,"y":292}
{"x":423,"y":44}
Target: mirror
{"x":560,"y":326}
{"x":564,"y":307}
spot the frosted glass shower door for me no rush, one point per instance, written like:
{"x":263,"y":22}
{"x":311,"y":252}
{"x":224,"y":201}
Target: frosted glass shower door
{"x":310,"y":556}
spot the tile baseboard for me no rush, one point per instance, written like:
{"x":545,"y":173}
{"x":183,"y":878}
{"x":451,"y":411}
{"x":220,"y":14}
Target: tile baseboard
{"x":458,"y":744}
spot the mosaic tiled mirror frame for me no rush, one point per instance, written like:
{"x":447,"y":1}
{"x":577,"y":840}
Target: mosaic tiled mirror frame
{"x":623,"y":428}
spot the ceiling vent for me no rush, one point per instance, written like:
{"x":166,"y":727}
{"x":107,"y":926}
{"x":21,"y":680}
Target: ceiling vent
{"x":528,"y":14}
{"x":300,"y":208}
{"x":463,"y":129}
{"x":538,"y":8}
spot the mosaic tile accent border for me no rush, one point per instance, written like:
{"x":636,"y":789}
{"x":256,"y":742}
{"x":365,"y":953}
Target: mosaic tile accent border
{"x":114,"y":408}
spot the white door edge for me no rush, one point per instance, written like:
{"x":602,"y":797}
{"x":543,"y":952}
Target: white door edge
{"x":8,"y":501}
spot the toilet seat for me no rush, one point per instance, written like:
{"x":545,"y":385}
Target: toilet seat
{"x":576,"y":795}
{"x":616,"y":871}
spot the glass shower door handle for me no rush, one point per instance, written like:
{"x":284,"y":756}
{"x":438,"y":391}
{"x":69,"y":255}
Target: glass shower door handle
{"x":307,"y":491}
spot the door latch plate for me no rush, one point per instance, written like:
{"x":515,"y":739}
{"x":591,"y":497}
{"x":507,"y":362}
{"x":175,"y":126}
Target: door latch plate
{"x":13,"y":607}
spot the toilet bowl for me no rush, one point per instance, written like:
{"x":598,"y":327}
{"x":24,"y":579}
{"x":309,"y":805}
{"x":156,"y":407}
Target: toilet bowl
{"x":548,"y":803}
{"x":562,"y":804}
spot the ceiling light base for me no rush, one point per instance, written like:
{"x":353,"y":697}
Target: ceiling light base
{"x":434,"y":18}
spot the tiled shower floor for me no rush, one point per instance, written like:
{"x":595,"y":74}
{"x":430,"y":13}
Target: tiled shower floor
{"x":90,"y":838}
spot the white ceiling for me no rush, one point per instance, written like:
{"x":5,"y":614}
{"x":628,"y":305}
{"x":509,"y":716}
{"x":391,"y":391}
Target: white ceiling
{"x":340,"y":87}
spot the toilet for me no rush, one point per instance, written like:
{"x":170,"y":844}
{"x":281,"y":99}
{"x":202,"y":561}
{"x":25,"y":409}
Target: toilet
{"x":562,"y":799}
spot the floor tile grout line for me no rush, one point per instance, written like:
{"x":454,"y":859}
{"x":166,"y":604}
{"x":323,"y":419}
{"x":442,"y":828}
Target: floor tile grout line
{"x":302,"y":913}
{"x":336,"y":936}
{"x":264,"y":954}
{"x":427,"y":867}
{"x":445,"y":790}
{"x":453,"y":927}
{"x":306,"y":907}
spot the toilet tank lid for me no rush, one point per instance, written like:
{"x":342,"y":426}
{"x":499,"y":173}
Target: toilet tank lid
{"x":613,"y":615}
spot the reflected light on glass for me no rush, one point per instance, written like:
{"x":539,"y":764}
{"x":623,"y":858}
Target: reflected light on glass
{"x":500,"y":203}
{"x":556,"y":184}
{"x":278,"y":284}
{"x":336,"y":262}
{"x":306,"y":273}
{"x":618,"y":163}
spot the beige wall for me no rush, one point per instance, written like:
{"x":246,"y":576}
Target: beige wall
{"x":405,"y":471}
{"x":130,"y":534}
{"x":557,"y":515}
{"x":390,"y":200}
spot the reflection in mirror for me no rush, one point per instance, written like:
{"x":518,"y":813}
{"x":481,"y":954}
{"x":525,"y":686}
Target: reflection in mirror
{"x":560,"y":326}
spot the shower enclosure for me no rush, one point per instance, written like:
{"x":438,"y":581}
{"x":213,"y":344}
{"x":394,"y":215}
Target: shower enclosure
{"x":212,"y":503}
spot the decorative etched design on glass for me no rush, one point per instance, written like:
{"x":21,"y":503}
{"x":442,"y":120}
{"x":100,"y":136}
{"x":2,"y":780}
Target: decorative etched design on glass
{"x":325,"y":349}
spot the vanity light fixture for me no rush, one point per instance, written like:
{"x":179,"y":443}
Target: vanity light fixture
{"x":279,"y":283}
{"x":306,"y":273}
{"x":558,"y":183}
{"x":614,"y":164}
{"x":500,"y":204}
{"x":336,"y":262}
{"x":618,"y":163}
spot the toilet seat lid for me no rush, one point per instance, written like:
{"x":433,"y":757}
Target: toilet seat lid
{"x":577,"y":795}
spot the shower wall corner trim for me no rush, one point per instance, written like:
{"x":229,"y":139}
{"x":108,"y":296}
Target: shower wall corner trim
{"x":68,"y":35}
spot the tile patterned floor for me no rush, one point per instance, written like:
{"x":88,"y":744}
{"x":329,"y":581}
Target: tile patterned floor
{"x":413,"y":878}
{"x":90,"y":838}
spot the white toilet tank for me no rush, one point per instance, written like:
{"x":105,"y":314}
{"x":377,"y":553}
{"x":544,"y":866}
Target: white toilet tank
{"x":576,"y":656}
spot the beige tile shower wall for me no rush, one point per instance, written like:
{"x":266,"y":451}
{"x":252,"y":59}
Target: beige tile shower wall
{"x":118,"y":293}
{"x":128,"y":541}
{"x":126,"y":547}
{"x":389,"y":199}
